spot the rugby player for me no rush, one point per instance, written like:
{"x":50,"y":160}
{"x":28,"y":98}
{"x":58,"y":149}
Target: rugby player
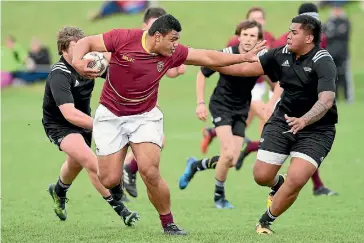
{"x":303,"y":123}
{"x":130,"y":163}
{"x":68,"y":124}
{"x":127,"y":115}
{"x":257,"y":106}
{"x":311,"y":9}
{"x":229,"y":106}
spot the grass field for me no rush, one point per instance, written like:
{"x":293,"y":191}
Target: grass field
{"x":30,"y":162}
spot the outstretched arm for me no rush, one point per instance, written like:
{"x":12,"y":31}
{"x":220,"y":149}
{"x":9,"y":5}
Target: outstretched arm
{"x":211,"y":58}
{"x":243,"y":69}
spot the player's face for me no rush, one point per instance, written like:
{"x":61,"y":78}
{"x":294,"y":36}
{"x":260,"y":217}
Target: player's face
{"x":257,"y":16}
{"x":167,"y":44}
{"x":146,"y":26}
{"x":298,"y":38}
{"x":248,"y":38}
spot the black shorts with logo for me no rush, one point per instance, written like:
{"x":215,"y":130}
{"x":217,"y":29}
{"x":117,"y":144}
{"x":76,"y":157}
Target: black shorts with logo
{"x":56,"y":133}
{"x":223,"y":116}
{"x":315,"y":141}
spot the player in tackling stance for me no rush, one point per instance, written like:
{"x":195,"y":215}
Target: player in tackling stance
{"x":127,"y":115}
{"x":68,"y":124}
{"x":303,"y":123}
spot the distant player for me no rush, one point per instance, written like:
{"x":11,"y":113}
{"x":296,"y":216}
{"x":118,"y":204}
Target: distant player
{"x":229,"y":106}
{"x":127,"y":115}
{"x":258,"y":92}
{"x":303,"y":123}
{"x":130,"y":163}
{"x":68,"y":124}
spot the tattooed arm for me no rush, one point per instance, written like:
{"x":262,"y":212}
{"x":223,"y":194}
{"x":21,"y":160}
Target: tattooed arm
{"x":319,"y":109}
{"x":326,"y":74}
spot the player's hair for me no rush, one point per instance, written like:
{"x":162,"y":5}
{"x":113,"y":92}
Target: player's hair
{"x":153,"y":13}
{"x":164,"y":25}
{"x":247,"y":24}
{"x":66,"y":35}
{"x":307,"y":8}
{"x":310,"y":24}
{"x":255,"y":9}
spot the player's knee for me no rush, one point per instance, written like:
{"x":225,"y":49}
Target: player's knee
{"x":227,"y":156}
{"x":151,"y":175}
{"x":108,"y":180}
{"x":262,"y":177}
{"x":89,"y":162}
{"x":295,"y":183}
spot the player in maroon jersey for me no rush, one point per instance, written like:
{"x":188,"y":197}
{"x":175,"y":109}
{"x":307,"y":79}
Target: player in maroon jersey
{"x":127,"y":114}
{"x":130,"y":163}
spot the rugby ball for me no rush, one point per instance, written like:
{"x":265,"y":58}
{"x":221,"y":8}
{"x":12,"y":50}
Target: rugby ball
{"x":98,"y":61}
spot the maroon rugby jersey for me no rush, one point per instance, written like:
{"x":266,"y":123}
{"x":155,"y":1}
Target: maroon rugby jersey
{"x":132,"y":82}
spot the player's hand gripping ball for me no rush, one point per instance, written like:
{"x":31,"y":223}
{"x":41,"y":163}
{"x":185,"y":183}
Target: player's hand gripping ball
{"x":97,"y":61}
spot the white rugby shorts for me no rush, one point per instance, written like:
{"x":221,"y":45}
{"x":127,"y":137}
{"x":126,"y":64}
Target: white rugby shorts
{"x":112,"y":133}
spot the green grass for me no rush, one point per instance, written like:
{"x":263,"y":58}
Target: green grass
{"x":30,"y":161}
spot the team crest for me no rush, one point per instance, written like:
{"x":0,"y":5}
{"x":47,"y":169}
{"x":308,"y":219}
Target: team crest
{"x":160,"y":66}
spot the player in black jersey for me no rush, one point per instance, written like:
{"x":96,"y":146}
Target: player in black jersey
{"x":229,"y":106}
{"x":303,"y":123}
{"x":68,"y":124}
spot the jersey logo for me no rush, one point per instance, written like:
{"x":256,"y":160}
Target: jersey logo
{"x":160,"y":66}
{"x":285,"y":64}
{"x":77,"y":83}
{"x":307,"y":69}
{"x":128,"y":59}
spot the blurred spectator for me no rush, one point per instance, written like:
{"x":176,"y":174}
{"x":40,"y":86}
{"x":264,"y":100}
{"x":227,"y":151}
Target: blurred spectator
{"x":20,"y":67}
{"x":13,"y":57}
{"x":337,"y":30}
{"x":322,"y":4}
{"x":37,"y":65}
{"x":39,"y":54}
{"x":124,"y":7}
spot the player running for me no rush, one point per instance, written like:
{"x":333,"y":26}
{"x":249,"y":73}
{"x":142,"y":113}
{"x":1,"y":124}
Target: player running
{"x":127,"y":114}
{"x":229,"y":106}
{"x":303,"y":123}
{"x":130,"y":163}
{"x":68,"y":124}
{"x":257,"y":105}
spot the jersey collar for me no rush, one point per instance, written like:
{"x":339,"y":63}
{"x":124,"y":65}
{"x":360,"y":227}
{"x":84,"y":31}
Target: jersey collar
{"x":144,"y":42}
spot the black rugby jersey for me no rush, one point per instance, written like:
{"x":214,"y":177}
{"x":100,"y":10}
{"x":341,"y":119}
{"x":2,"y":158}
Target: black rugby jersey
{"x":65,"y":85}
{"x":302,"y":80}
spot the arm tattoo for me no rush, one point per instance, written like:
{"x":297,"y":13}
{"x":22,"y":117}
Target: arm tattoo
{"x":319,"y":109}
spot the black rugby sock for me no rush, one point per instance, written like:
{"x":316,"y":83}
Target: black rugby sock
{"x":61,"y":188}
{"x":205,"y":164}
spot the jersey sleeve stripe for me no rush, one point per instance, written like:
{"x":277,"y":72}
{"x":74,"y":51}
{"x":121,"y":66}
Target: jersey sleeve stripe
{"x":321,"y":56}
{"x":61,"y":66}
{"x":62,"y":69}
